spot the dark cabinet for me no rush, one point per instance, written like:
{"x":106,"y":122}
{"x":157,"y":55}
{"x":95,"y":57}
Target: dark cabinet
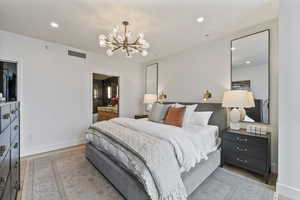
{"x":9,"y":150}
{"x":248,"y":151}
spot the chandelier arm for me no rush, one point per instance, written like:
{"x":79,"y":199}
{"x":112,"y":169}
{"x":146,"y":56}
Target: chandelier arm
{"x":117,"y":48}
{"x":135,"y":42}
{"x":117,"y":41}
{"x":127,"y":51}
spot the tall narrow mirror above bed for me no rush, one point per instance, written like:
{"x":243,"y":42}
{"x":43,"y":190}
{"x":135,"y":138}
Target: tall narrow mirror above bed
{"x":250,"y":69}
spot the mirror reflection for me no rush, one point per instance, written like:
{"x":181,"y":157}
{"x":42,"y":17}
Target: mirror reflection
{"x":250,"y":71}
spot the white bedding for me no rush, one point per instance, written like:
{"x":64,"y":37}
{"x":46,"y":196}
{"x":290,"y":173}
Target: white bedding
{"x":191,"y":144}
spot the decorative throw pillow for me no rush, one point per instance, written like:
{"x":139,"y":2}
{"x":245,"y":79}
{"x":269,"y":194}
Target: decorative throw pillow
{"x":158,"y":112}
{"x":200,"y":118}
{"x":188,"y":112}
{"x":175,"y":116}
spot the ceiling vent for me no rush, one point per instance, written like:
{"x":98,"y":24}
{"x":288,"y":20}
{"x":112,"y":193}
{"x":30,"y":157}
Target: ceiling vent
{"x":76,"y":54}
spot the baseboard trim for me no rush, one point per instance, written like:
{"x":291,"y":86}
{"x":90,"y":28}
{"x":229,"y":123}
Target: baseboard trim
{"x":49,"y":148}
{"x":288,"y":191}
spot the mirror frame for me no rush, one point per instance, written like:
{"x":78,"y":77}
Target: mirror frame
{"x":146,"y":69}
{"x":269,"y":68}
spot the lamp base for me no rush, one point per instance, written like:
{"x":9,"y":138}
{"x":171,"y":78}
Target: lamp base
{"x":235,"y":126}
{"x":235,"y":116}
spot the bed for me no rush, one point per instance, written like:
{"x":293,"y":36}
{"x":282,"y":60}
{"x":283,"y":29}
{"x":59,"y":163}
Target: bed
{"x":129,"y":184}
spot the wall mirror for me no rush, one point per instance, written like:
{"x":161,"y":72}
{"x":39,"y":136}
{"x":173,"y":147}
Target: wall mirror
{"x":151,"y":79}
{"x":250,"y":69}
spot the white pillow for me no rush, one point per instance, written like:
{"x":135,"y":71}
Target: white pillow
{"x":189,"y":110}
{"x":200,"y":118}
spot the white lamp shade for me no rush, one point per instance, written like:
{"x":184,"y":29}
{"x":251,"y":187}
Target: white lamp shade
{"x":150,"y":98}
{"x":237,"y":99}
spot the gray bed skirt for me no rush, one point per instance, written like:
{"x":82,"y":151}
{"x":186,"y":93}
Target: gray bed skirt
{"x":131,"y":189}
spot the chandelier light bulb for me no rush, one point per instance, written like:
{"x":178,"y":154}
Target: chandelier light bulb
{"x":102,"y":43}
{"x":102,"y":37}
{"x":146,"y":45}
{"x":141,"y":35}
{"x":144,"y":53}
{"x":109,"y":52}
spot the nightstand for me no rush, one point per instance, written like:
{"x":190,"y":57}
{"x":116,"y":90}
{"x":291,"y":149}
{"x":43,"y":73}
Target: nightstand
{"x":140,"y":116}
{"x":247,"y":150}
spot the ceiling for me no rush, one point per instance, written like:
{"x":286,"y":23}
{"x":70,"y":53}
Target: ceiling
{"x":170,"y":26}
{"x":253,"y":48}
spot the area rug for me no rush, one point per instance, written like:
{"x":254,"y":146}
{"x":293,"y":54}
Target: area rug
{"x":69,"y":176}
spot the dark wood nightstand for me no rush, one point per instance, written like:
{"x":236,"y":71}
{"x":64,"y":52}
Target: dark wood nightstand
{"x":247,"y":150}
{"x":140,"y":116}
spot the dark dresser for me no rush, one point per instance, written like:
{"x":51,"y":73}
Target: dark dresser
{"x":9,"y":150}
{"x":247,"y":150}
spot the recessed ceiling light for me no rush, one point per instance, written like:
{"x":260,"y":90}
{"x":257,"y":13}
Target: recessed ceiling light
{"x":248,"y":62}
{"x":54,"y":25}
{"x":200,"y":19}
{"x":233,"y":48}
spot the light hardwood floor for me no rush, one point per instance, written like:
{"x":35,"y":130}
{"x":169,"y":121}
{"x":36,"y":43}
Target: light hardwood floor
{"x":242,"y":172}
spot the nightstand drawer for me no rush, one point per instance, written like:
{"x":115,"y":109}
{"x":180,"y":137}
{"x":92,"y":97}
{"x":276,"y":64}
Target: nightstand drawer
{"x":247,"y":162}
{"x":259,"y":152}
{"x":245,"y":139}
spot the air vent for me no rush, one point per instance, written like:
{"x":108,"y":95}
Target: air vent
{"x":77,"y":54}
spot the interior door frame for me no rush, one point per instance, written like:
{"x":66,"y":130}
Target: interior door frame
{"x":91,"y":92}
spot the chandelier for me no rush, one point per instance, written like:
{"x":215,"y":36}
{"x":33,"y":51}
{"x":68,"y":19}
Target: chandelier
{"x":122,"y":40}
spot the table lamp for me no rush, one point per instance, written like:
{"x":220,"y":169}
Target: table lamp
{"x":237,"y":100}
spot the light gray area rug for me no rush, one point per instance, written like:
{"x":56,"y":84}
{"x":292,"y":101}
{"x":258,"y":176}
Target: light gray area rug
{"x":69,"y":176}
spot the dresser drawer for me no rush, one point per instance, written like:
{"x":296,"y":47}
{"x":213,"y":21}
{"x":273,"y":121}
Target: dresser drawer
{"x":14,"y":128}
{"x":5,"y":191}
{"x":5,"y":116}
{"x":13,"y":111}
{"x":4,"y":171}
{"x":259,"y":152}
{"x":245,"y":139}
{"x":246,"y":162}
{"x":15,"y":158}
{"x":4,"y":143}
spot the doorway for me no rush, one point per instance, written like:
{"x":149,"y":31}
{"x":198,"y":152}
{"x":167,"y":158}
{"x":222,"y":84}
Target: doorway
{"x":8,"y":81}
{"x":105,"y":97}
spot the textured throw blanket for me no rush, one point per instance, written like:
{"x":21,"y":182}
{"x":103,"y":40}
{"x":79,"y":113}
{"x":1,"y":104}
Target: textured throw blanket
{"x":189,"y":146}
{"x":157,"y":156}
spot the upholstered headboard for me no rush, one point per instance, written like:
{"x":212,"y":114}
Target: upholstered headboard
{"x":219,"y":116}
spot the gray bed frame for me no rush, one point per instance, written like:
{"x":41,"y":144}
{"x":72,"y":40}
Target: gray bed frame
{"x":128,"y":185}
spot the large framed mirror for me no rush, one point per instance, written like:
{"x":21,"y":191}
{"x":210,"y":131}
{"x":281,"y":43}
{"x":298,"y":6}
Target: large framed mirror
{"x":151,"y":79}
{"x":250,"y":70}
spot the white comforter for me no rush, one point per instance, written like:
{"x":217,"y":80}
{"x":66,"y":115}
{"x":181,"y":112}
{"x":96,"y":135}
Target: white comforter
{"x":189,"y":143}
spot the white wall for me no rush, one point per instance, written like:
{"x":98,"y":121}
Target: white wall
{"x":187,"y":75}
{"x":288,"y":182}
{"x":56,"y":94}
{"x":258,"y":76}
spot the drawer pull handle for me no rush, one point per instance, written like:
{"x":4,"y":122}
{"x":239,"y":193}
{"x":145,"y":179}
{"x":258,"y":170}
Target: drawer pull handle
{"x":242,"y":140}
{"x":6,"y":116}
{"x":2,"y":182}
{"x":16,"y":185}
{"x":243,"y":150}
{"x":2,"y":150}
{"x":243,"y":161}
{"x":16,"y":165}
{"x":16,"y":145}
{"x":16,"y":127}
